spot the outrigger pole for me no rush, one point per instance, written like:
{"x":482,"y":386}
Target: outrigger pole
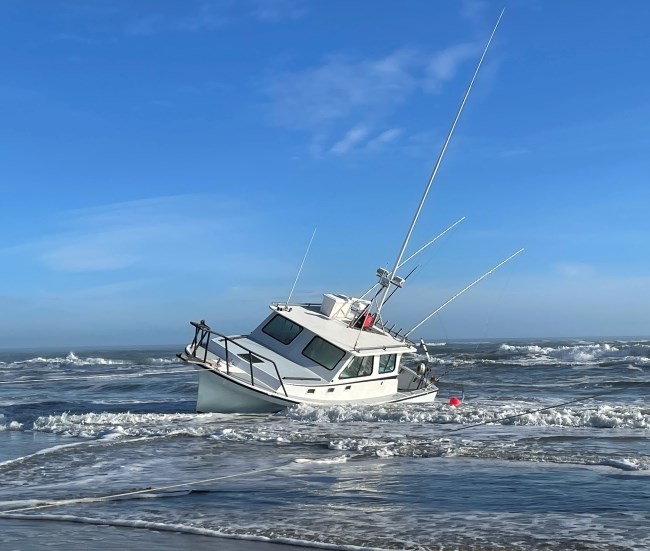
{"x":392,"y":277}
{"x":431,"y":242}
{"x":461,"y":292}
{"x":417,"y":253}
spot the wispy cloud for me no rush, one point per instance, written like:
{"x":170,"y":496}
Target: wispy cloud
{"x":474,"y":10}
{"x":320,"y":100}
{"x":353,"y":137}
{"x":360,"y":138}
{"x":122,"y":235}
{"x":315,"y":97}
{"x":443,"y":65}
{"x":172,"y":236}
{"x":204,"y":17}
{"x":103,"y":17}
{"x":216,"y":14}
{"x":384,"y":138}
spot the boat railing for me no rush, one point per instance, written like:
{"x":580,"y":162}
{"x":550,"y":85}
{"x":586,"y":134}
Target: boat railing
{"x":396,"y":334}
{"x":203,"y":337}
{"x":286,"y":306}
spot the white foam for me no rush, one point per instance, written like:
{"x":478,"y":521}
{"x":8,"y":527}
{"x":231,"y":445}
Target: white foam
{"x":72,"y":358}
{"x":326,"y":461}
{"x":91,"y":425}
{"x":160,"y":361}
{"x":604,"y":416}
{"x":582,"y":353}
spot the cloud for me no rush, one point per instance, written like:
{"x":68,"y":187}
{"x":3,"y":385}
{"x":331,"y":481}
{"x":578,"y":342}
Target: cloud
{"x":207,"y":17}
{"x":315,"y":97}
{"x":145,"y":19}
{"x":150,"y":232}
{"x":384,"y":138}
{"x":474,"y":10}
{"x":359,"y":138}
{"x":322,"y":100}
{"x":352,"y":138}
{"x":443,"y":66}
{"x":216,"y":14}
{"x":177,"y":238}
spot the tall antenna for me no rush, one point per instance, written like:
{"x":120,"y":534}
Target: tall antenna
{"x":393,"y":274}
{"x":301,"y":265}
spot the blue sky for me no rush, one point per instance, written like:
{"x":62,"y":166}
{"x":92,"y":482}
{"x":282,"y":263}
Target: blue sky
{"x":165,"y":161}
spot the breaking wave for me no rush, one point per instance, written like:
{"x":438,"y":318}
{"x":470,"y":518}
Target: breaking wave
{"x":604,"y":416}
{"x":585,"y":353}
{"x":72,"y":359}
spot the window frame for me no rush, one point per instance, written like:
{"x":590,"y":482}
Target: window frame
{"x":379,"y":368}
{"x":326,"y":342}
{"x":286,"y":320}
{"x":360,"y":359}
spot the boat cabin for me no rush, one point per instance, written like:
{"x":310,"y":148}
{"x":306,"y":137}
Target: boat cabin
{"x":324,"y":340}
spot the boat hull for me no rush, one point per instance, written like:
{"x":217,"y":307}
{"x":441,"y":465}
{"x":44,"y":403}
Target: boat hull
{"x":221,"y":393}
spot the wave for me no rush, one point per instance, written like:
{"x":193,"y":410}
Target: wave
{"x":636,"y":352}
{"x":492,"y":450}
{"x":72,"y":358}
{"x":12,"y":425}
{"x":336,"y":419}
{"x":92,"y":425}
{"x":605,"y":416}
{"x":41,"y":452}
{"x":161,"y":361}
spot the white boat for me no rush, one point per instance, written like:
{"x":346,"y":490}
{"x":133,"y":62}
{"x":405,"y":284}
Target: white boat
{"x":338,"y":351}
{"x":319,"y":354}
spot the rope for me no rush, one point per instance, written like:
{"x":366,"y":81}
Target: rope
{"x":62,"y":502}
{"x":508,"y":417}
{"x":77,"y":378}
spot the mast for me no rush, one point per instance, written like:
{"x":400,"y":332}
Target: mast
{"x":392,"y":276}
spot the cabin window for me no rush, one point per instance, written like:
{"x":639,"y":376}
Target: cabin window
{"x":387,"y":363}
{"x":323,"y":353}
{"x":282,"y":329}
{"x":360,"y":366}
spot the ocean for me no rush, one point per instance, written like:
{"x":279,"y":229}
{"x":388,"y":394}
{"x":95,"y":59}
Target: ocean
{"x":102,"y":449}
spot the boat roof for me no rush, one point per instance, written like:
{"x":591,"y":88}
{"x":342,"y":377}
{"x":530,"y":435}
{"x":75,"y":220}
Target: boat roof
{"x":339,"y":333}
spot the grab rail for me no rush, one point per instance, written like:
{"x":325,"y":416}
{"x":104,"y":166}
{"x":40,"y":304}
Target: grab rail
{"x":202,"y":338}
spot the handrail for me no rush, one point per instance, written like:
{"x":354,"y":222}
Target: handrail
{"x":204,"y":341}
{"x":383,"y":326}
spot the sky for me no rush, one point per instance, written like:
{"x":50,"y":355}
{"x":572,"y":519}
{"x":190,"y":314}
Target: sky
{"x":163,"y":161}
